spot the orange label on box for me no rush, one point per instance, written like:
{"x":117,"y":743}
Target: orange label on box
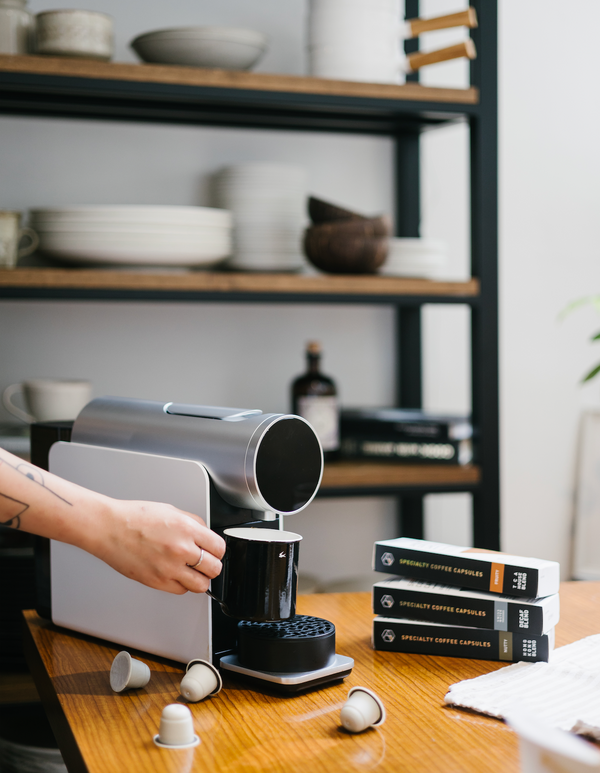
{"x":497,"y":578}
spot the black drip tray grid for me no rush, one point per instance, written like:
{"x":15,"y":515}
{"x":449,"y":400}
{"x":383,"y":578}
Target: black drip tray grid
{"x":298,"y":645}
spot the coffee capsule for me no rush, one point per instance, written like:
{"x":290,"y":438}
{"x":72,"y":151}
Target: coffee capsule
{"x":126,"y":673}
{"x":176,"y":729}
{"x":363,"y":709}
{"x":201,"y":679}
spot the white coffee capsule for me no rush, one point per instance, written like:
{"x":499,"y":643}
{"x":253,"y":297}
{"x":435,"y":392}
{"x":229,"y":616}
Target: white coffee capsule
{"x":176,"y":729}
{"x":201,"y":679}
{"x":126,"y":673}
{"x":363,"y":709}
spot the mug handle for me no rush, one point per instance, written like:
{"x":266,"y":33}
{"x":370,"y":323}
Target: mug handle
{"x":11,"y":407}
{"x":35,"y":241}
{"x":219,"y":601}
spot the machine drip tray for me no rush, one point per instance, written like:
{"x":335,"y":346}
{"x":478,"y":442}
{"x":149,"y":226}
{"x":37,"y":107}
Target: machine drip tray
{"x":338,"y":667}
{"x":300,"y":644}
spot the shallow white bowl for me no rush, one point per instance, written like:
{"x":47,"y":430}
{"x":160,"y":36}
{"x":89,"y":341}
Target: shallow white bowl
{"x":129,"y":229}
{"x":405,"y":245}
{"x":423,"y":257}
{"x":141,"y":241}
{"x":131,"y":214}
{"x":227,"y":48}
{"x":82,"y":249}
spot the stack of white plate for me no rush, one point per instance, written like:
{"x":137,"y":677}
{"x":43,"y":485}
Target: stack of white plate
{"x":268,"y":202}
{"x":419,"y":258}
{"x":135,"y":235}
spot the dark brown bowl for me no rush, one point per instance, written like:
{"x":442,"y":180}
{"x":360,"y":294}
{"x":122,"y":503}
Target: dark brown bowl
{"x":367,"y":227}
{"x":321,"y":211}
{"x":344,"y":254}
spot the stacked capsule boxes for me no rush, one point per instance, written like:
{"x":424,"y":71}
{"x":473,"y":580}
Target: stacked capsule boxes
{"x":464,"y":602}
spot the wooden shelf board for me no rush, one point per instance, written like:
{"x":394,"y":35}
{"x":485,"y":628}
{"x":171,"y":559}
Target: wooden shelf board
{"x":382,"y":474}
{"x":231,"y":79}
{"x":229,"y":282}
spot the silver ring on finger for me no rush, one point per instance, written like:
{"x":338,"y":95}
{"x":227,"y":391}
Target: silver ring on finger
{"x":195,"y":566}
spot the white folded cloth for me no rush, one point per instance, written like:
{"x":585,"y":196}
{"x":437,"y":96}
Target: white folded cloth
{"x":565,"y":692}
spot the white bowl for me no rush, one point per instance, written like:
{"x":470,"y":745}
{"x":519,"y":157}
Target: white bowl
{"x":143,"y":250}
{"x":227,"y":48}
{"x":423,"y":257}
{"x":128,"y":229}
{"x":409,"y":249}
{"x":75,"y":33}
{"x":141,"y":241}
{"x":131,"y":214}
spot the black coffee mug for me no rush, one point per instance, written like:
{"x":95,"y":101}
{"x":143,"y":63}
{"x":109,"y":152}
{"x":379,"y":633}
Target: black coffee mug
{"x":260,"y":574}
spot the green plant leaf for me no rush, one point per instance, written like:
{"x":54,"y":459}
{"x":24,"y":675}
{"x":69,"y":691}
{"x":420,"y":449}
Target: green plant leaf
{"x":593,"y":300}
{"x":593,"y":372}
{"x":595,"y":337}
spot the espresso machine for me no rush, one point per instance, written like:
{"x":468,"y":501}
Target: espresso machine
{"x":231,"y":467}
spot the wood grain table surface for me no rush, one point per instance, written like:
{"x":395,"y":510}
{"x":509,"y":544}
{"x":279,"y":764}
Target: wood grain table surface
{"x":247,"y":729}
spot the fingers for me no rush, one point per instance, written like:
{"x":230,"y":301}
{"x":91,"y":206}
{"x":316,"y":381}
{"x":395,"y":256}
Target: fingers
{"x":174,"y":587}
{"x":205,"y":538}
{"x":211,"y":542}
{"x":194,"y":581}
{"x":158,"y":544}
{"x":210,"y":548}
{"x":210,"y":566}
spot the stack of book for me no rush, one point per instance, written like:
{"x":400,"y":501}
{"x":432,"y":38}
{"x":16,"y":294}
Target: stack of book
{"x":464,"y":602}
{"x":405,"y":434}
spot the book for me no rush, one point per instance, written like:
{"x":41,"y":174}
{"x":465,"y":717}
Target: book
{"x":456,"y":641}
{"x":448,"y":451}
{"x":455,"y":606}
{"x":403,"y":424}
{"x":485,"y":570}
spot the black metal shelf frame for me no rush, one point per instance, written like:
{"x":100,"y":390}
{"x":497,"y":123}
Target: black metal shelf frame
{"x":229,"y":296}
{"x":138,"y":101}
{"x":484,"y":266}
{"x":403,"y":120}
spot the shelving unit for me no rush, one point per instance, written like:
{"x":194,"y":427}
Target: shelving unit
{"x":39,"y":86}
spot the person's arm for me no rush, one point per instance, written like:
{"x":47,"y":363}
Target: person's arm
{"x":155,"y":544}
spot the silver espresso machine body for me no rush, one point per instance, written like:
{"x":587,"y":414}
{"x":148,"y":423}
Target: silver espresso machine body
{"x":268,"y":463}
{"x":231,"y":467}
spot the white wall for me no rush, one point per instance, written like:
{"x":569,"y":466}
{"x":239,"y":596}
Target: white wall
{"x":550,"y":166}
{"x":246,"y":355}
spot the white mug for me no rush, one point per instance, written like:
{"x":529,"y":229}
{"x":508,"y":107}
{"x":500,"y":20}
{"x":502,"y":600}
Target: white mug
{"x":48,"y":399}
{"x":11,"y":234}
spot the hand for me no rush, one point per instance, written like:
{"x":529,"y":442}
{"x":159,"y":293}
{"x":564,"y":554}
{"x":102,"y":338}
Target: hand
{"x":157,"y":545}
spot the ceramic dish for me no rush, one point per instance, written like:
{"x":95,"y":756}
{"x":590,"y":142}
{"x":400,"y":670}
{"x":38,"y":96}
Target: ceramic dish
{"x":128,"y":229}
{"x":416,"y":258}
{"x":75,"y":32}
{"x":147,"y":255}
{"x":129,"y":241}
{"x":134,"y":214}
{"x":227,"y":48}
{"x":268,"y":202}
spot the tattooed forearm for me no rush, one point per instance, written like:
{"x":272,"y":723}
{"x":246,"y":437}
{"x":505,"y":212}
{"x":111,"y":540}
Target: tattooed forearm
{"x":34,"y":474}
{"x":14,"y":508}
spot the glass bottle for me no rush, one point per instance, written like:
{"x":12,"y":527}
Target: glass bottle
{"x":16,"y":27}
{"x":315,"y":398}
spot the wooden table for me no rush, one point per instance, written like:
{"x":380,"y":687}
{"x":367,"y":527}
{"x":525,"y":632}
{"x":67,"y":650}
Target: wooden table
{"x":242,"y":729}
